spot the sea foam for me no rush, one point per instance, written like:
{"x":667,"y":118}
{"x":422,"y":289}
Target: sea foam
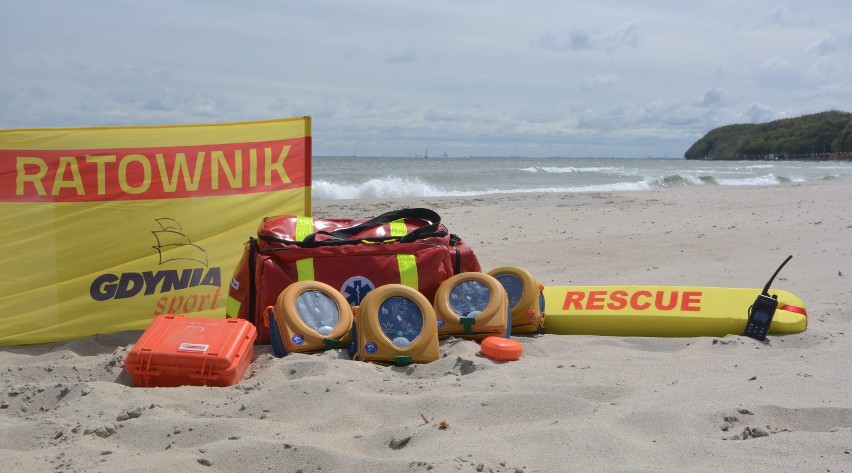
{"x":381,"y":188}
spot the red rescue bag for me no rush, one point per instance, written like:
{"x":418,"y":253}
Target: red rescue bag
{"x":407,"y":246}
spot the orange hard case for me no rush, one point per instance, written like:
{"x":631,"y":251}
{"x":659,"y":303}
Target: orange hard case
{"x":178,"y":351}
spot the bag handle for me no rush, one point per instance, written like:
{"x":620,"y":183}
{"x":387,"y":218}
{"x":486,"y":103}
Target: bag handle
{"x":416,"y":213}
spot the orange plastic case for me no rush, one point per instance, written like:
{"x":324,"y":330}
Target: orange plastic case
{"x":178,"y":351}
{"x":501,"y":349}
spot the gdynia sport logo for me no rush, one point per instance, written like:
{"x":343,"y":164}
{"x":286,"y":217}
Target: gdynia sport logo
{"x":172,"y":246}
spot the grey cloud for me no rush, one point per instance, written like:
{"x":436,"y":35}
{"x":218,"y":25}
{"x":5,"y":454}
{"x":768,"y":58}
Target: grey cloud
{"x":463,"y":83}
{"x":777,"y":63}
{"x":279,"y":104}
{"x":838,"y":39}
{"x":757,"y":113}
{"x":573,"y":40}
{"x":155,"y":104}
{"x":825,"y":67}
{"x":678,"y":119}
{"x":598,"y":81}
{"x":779,"y":16}
{"x":712,"y":97}
{"x":626,"y":35}
{"x":403,"y":56}
{"x":443,"y":116}
{"x":39,"y":92}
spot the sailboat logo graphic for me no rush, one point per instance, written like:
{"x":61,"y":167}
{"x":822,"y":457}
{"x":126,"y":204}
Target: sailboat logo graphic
{"x":173,"y":244}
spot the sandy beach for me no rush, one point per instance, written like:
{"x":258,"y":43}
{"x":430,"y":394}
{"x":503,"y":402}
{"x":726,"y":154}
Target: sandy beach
{"x":571,"y":403}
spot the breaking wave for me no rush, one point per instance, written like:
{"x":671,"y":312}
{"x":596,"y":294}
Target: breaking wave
{"x":396,"y":187}
{"x":382,"y":188}
{"x":612,"y":170}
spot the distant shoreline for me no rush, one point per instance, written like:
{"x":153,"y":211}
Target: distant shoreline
{"x":818,"y":157}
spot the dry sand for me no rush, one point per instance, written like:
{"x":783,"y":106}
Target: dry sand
{"x":571,"y":403}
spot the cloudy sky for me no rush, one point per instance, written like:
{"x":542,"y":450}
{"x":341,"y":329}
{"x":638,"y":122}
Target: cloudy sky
{"x":464,"y":77}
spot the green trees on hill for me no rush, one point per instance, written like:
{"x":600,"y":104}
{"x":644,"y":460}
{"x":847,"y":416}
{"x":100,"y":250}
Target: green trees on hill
{"x":826,"y":135}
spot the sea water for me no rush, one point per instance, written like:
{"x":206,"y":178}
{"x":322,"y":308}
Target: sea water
{"x":359,"y":177}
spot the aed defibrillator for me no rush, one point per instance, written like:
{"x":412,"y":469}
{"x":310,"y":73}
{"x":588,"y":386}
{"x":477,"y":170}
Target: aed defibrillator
{"x":526,"y":298}
{"x":472,"y":306}
{"x":309,"y":316}
{"x":396,"y":324}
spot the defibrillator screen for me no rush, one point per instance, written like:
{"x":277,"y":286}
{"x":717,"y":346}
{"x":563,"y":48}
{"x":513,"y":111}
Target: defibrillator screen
{"x":401,"y":320}
{"x":318,"y":310}
{"x":514,"y":287}
{"x":469,"y":298}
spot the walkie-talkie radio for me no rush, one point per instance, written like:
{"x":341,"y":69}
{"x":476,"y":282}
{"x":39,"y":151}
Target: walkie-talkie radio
{"x":761,"y":312}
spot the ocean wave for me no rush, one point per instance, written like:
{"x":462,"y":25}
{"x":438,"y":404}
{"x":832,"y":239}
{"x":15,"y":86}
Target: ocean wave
{"x":396,"y":187}
{"x":833,"y":168}
{"x":382,"y":188}
{"x":682,"y":180}
{"x":613,"y":187}
{"x":393,"y":187}
{"x":574,"y":170}
{"x":765,"y":180}
{"x":838,"y":175}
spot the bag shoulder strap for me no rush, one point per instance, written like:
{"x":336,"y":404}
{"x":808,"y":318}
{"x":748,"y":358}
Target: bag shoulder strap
{"x":415,"y":213}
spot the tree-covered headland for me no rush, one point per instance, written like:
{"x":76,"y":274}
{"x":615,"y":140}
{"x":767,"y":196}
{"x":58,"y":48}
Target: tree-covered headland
{"x":821,"y":136}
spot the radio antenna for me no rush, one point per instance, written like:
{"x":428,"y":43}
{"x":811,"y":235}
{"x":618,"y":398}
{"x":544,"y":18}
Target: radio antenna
{"x":769,"y":283}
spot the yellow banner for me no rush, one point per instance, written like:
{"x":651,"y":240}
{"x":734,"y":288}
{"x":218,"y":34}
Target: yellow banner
{"x":105,"y":228}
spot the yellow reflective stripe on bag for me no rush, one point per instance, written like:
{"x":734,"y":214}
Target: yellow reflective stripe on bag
{"x":304,"y":227}
{"x":407,"y":270}
{"x":304,"y":267}
{"x":407,"y":263}
{"x":398,"y":228}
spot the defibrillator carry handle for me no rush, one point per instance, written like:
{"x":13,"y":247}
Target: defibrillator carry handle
{"x":341,"y":235}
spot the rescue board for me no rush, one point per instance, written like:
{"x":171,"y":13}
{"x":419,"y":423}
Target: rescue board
{"x":663,"y":311}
